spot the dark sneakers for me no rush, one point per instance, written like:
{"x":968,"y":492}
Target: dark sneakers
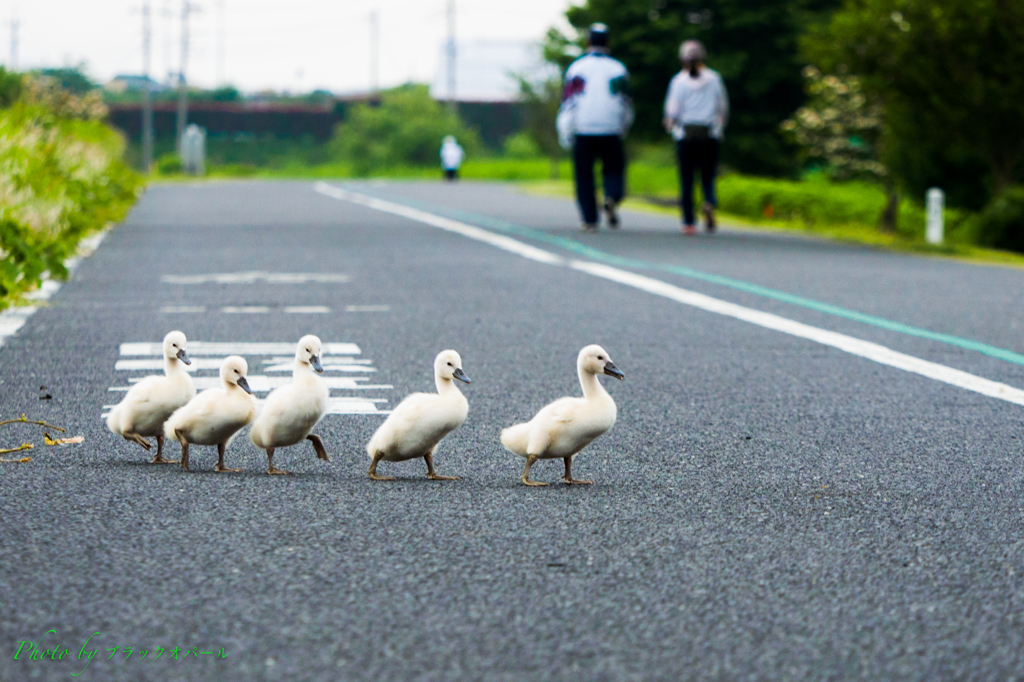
{"x":709,"y":217}
{"x":611,"y":210}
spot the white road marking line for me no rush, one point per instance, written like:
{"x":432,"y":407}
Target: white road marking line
{"x":257,"y":276}
{"x":215,"y":363}
{"x":311,"y":309}
{"x":288,"y":367}
{"x":502,"y":242}
{"x":208,"y":356}
{"x":848,"y":344}
{"x":239,"y":348}
{"x":13,"y":319}
{"x":245,"y":309}
{"x":260,"y":383}
{"x":342,"y":405}
{"x":183,"y":309}
{"x":367,"y":308}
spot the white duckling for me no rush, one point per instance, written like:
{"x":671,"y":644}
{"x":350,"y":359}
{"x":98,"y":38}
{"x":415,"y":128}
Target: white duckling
{"x":149,"y":403}
{"x":568,"y":425}
{"x":214,"y":416}
{"x":290,"y":412}
{"x":418,"y":424}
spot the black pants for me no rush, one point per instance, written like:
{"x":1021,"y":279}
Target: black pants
{"x":700,"y":155}
{"x":586,"y":150}
{"x":451,"y":173}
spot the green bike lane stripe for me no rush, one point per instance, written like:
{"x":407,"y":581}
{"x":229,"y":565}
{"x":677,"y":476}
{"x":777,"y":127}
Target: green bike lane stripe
{"x":637,"y":264}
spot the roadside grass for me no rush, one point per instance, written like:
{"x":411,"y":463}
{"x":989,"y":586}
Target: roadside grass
{"x":847,"y":232}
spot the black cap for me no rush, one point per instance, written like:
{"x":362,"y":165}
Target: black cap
{"x":598,"y":35}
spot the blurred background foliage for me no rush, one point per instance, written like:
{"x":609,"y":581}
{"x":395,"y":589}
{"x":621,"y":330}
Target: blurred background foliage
{"x":405,"y":128}
{"x":61,"y":178}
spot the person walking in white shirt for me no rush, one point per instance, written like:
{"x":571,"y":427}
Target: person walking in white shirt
{"x":451,"y":157}
{"x":595,"y":115}
{"x":696,"y":113}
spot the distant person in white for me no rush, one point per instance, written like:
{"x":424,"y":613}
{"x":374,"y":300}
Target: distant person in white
{"x":595,"y":115}
{"x":451,"y":157}
{"x":696,"y":113}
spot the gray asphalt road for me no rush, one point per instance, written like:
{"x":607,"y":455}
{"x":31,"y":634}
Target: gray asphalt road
{"x":765,"y":507}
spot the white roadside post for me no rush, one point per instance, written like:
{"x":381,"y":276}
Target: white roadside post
{"x":936,"y":201}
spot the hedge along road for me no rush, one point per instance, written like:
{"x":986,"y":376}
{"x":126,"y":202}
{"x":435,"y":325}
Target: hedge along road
{"x":768,"y":504}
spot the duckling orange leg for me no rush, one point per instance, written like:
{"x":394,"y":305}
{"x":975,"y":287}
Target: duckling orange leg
{"x":433,"y":475}
{"x":568,"y":473}
{"x":525,"y":478}
{"x":159,"y":459}
{"x":318,"y":447}
{"x":220,"y":460}
{"x":373,"y":469}
{"x":271,"y":469}
{"x":184,"y":450}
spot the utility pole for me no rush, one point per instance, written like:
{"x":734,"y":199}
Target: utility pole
{"x":374,"y":52}
{"x":221,"y":31}
{"x":186,"y":9}
{"x":14,"y":40}
{"x":147,"y":91}
{"x":451,"y":55}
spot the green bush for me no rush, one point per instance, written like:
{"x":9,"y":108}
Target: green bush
{"x":168,"y":164}
{"x":521,"y":146}
{"x":405,"y":129}
{"x":1001,"y":224}
{"x":61,"y":179}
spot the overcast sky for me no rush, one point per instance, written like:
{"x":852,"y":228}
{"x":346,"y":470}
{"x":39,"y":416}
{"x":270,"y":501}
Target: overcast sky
{"x":295,"y":45}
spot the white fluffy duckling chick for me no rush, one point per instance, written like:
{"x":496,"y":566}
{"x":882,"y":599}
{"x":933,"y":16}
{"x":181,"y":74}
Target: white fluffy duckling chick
{"x":149,"y":403}
{"x":214,"y":416}
{"x":568,"y":425}
{"x":290,"y":412}
{"x":420,"y":421}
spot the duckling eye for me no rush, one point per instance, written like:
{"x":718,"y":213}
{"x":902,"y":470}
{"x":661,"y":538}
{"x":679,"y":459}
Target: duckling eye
{"x":449,"y":364}
{"x":600,"y":357}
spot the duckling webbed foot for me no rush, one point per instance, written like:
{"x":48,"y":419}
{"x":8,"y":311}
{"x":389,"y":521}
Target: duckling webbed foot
{"x":568,"y":474}
{"x":373,"y":469}
{"x":220,"y":468}
{"x":318,"y":447}
{"x":271,"y":469}
{"x":159,"y":458}
{"x":433,"y":475}
{"x":525,"y":478}
{"x":136,"y":438}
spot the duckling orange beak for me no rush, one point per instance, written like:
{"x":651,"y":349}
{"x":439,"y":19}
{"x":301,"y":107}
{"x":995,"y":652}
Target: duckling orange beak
{"x":315,"y":361}
{"x":461,"y":376}
{"x":244,"y":385}
{"x":611,"y":370}
{"x":183,"y":356}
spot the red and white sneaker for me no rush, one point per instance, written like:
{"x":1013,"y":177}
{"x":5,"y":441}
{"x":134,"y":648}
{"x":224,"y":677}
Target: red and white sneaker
{"x":689,"y":230}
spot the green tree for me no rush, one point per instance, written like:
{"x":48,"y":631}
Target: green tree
{"x":840,"y":129}
{"x":405,"y":128}
{"x":752,"y":43}
{"x":950,"y":74}
{"x":72,"y":79}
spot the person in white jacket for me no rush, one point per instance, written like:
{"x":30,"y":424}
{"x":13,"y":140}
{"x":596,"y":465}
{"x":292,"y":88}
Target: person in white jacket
{"x":696,"y":113}
{"x":451,"y":157}
{"x":595,"y":115}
